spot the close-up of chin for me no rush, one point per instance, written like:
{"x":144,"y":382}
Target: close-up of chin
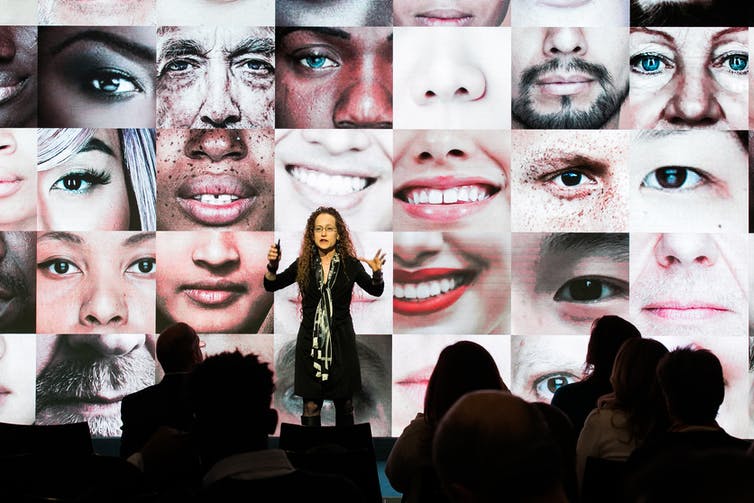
{"x":97,"y":76}
{"x":97,"y":12}
{"x":451,"y":180}
{"x":215,"y":179}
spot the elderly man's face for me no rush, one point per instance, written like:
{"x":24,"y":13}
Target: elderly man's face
{"x":334,"y":77}
{"x":215,"y":77}
{"x":688,"y":77}
{"x":569,"y":78}
{"x":215,"y":178}
{"x":17,"y":281}
{"x":85,"y":377}
{"x":689,"y":284}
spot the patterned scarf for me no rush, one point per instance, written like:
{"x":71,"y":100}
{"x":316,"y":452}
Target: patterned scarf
{"x":321,"y":339}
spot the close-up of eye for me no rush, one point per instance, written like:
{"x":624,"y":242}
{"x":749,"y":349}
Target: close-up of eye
{"x":59,"y":267}
{"x":674,"y":178}
{"x":315,"y":61}
{"x":112,"y":83}
{"x":144,"y":265}
{"x":734,"y":62}
{"x":176,"y":65}
{"x":257,"y":66}
{"x":588,"y":289}
{"x":575,"y":180}
{"x":545,"y":386}
{"x":81,"y":182}
{"x":571,"y":177}
{"x":650,"y":63}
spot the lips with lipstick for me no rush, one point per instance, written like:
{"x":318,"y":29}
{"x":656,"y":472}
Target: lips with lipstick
{"x":216,"y":200}
{"x":443,"y":17}
{"x":429,"y":290}
{"x":11,"y":86}
{"x":445,"y":198}
{"x":346,"y":186}
{"x":214,"y":294}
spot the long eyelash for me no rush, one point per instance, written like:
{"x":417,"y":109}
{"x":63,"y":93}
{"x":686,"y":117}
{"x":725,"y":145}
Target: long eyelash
{"x":89,"y":175}
{"x":585,"y":170}
{"x":108,"y":72}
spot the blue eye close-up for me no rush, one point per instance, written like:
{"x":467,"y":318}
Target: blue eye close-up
{"x":315,"y":61}
{"x":738,"y":62}
{"x":547,"y":385}
{"x":650,"y":63}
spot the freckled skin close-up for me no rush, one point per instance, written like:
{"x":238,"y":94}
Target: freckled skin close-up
{"x":218,"y":178}
{"x":569,"y":181}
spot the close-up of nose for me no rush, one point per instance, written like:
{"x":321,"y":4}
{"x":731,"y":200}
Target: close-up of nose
{"x":7,"y":44}
{"x":366,"y":104}
{"x":411,"y":249}
{"x":338,"y":142}
{"x":686,"y":250}
{"x":106,"y":344}
{"x":216,"y":144}
{"x":7,"y":142}
{"x":564,"y":42}
{"x":441,"y":147}
{"x":444,"y":81}
{"x":218,"y":251}
{"x":105,"y":306}
{"x":694,"y":103}
{"x":219,"y":109}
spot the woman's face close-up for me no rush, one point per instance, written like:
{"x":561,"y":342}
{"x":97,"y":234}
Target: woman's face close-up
{"x":97,"y":12}
{"x":451,"y":282}
{"x":88,"y":191}
{"x":451,"y":180}
{"x":348,"y":170}
{"x":97,"y":77}
{"x":96,"y":282}
{"x":18,"y":74}
{"x":213,"y":279}
{"x":18,"y":177}
{"x":449,"y":13}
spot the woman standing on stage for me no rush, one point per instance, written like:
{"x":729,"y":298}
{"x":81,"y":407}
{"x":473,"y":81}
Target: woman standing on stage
{"x":327,"y":366}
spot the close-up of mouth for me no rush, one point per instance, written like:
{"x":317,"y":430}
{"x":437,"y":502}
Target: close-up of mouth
{"x":11,"y":86}
{"x":685,"y":311}
{"x":565,"y":84}
{"x":429,"y":290}
{"x":443,"y":17}
{"x":344,"y":187}
{"x":214,"y":294}
{"x":216,"y":200}
{"x":10,"y":185}
{"x":445,"y":198}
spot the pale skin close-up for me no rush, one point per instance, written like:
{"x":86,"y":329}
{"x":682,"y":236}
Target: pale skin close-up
{"x":97,"y":12}
{"x":18,"y":177}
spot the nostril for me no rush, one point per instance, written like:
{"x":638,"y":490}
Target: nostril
{"x":425,"y":156}
{"x":462,"y":91}
{"x":455,"y":152}
{"x":429,"y":94}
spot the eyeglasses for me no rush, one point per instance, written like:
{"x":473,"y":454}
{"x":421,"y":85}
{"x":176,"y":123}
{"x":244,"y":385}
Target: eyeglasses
{"x":329,"y":229}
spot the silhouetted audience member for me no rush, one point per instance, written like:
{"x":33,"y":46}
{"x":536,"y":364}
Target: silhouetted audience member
{"x":692,"y":383}
{"x":231,"y":395}
{"x":166,"y":403}
{"x":563,"y":434}
{"x":624,"y":418}
{"x":492,"y":446}
{"x":578,"y":399}
{"x":461,"y":367}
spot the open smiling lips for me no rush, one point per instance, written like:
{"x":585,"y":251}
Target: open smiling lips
{"x":445,"y":199}
{"x":216,"y":200}
{"x":329,"y":184}
{"x":429,"y":290}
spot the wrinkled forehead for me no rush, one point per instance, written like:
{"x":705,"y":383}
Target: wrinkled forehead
{"x":208,"y":38}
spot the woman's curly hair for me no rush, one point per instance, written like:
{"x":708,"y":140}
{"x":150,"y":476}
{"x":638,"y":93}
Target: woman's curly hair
{"x":344,"y":245}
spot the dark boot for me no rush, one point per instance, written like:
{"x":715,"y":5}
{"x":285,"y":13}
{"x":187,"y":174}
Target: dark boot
{"x":344,"y":419}
{"x":311,"y":420}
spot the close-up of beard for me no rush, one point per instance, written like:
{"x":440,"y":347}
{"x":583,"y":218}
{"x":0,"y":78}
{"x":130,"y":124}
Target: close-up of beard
{"x":606,"y":105}
{"x":690,"y":13}
{"x":73,"y":390}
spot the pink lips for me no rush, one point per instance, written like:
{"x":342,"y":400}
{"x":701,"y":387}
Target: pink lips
{"x":565,"y":85}
{"x":214,"y":294}
{"x":689,"y":311}
{"x":216,"y":200}
{"x":10,"y":186}
{"x":445,"y":198}
{"x":444,"y":17}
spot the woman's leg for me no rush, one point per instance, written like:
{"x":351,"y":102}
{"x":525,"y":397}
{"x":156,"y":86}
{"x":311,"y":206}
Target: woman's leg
{"x":312,"y":410}
{"x":344,"y":411}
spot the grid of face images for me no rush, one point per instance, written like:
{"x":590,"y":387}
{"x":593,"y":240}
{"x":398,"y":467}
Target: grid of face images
{"x":527,"y":165}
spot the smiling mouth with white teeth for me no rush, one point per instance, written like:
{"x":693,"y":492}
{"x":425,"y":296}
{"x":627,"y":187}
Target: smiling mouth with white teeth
{"x":327,"y":184}
{"x":216,"y":199}
{"x":454,"y":195}
{"x":425,"y":290}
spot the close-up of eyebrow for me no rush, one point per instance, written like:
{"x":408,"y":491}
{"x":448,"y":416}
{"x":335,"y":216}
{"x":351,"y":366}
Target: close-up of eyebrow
{"x":175,"y":48}
{"x":67,"y":237}
{"x":613,"y":246}
{"x":656,"y":33}
{"x":728,"y":31}
{"x":138,"y":239}
{"x":112,"y":40}
{"x":253,"y":45}
{"x":320,"y":30}
{"x":96,"y":145}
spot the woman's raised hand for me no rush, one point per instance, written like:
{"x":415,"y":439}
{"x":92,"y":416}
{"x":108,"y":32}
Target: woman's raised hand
{"x":377,"y":262}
